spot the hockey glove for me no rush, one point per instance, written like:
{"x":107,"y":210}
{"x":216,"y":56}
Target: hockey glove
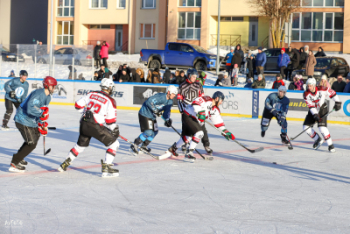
{"x":201,"y":116}
{"x":281,"y":119}
{"x":42,"y":127}
{"x":159,"y":113}
{"x":337,"y":106}
{"x":274,"y":112}
{"x":317,"y":117}
{"x":228,"y":135}
{"x":12,"y":94}
{"x":45,"y":114}
{"x":168,"y":123}
{"x":115,"y":131}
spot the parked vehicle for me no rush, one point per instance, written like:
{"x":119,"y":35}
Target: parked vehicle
{"x":329,"y":66}
{"x":65,"y":55}
{"x":178,"y":55}
{"x":11,"y":57}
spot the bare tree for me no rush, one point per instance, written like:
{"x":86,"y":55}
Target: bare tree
{"x":278,"y":11}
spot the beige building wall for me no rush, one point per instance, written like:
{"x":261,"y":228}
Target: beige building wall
{"x":5,"y":16}
{"x":346,"y":40}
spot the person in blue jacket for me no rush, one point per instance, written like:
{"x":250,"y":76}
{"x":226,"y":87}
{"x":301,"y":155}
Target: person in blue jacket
{"x":30,"y":120}
{"x":228,"y":61}
{"x":347,"y":86}
{"x":156,"y":105}
{"x":276,"y":105}
{"x":16,"y":91}
{"x":283,"y":61}
{"x":260,"y":61}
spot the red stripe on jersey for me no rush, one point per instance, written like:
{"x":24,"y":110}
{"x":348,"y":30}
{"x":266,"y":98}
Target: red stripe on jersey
{"x":196,"y":102}
{"x":196,"y":139}
{"x":184,"y":138}
{"x":179,"y":97}
{"x":219,"y":125}
{"x":327,"y":137}
{"x":78,"y":107}
{"x":112,"y":152}
{"x":74,"y":152}
{"x":111,"y":121}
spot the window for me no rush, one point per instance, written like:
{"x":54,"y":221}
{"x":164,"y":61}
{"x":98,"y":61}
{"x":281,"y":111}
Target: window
{"x":65,"y":8}
{"x":98,"y":4}
{"x":190,"y":3}
{"x":120,"y":3}
{"x":317,"y":27}
{"x":65,"y":33}
{"x":229,"y":18}
{"x":173,"y":46}
{"x":148,"y":31}
{"x":322,"y":3}
{"x":148,"y":4}
{"x":189,"y":25}
{"x":100,"y":26}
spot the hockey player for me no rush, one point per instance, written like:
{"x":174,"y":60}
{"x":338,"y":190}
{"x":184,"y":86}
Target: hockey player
{"x":156,"y":105}
{"x":30,"y":120}
{"x":188,"y":91}
{"x":276,"y":105}
{"x":99,"y":109}
{"x":315,"y":98}
{"x":193,"y":118}
{"x":16,"y":92}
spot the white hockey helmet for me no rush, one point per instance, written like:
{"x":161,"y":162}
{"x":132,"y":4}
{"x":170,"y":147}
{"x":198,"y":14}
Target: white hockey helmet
{"x":282,"y":88}
{"x":172,"y":89}
{"x":311,"y":81}
{"x":108,"y":84}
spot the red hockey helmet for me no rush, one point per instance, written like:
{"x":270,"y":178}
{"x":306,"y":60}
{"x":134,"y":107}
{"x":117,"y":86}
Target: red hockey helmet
{"x":49,"y":81}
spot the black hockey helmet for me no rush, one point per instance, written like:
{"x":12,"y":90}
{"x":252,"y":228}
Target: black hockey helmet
{"x":220,"y":95}
{"x":190,"y":72}
{"x":23,"y":73}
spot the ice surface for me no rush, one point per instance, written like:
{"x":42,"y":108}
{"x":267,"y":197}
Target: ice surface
{"x":307,"y":191}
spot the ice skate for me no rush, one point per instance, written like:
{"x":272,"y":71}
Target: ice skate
{"x":133,"y":149}
{"x":331,"y":149}
{"x":285,"y":141}
{"x":108,"y":171}
{"x":184,"y":148}
{"x":23,"y":162}
{"x":5,"y":128}
{"x":189,"y":156}
{"x":318,"y":143}
{"x":262,"y":133}
{"x":64,"y":165}
{"x":18,"y":168}
{"x":209,"y":151}
{"x":145,"y":149}
{"x":173,"y":149}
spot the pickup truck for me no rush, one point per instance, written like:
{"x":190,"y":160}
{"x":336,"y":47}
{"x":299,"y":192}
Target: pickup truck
{"x":177,"y":55}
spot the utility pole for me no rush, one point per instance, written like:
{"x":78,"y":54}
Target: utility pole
{"x":51,"y":38}
{"x":218,"y":42}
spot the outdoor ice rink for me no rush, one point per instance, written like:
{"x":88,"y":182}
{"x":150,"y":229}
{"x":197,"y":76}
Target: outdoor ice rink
{"x":307,"y":191}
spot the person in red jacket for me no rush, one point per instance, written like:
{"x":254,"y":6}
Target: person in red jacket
{"x":278,"y":82}
{"x":104,"y":52}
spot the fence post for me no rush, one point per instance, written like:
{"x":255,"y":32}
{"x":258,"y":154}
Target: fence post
{"x":17,"y":47}
{"x":53,"y":66}
{"x":35,"y":48}
{"x":92,"y":65}
{"x":73,"y":64}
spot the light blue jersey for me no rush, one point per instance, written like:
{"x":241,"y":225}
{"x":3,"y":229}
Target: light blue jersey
{"x":280,"y":105}
{"x":21,"y":90}
{"x":29,"y":112}
{"x":156,"y":104}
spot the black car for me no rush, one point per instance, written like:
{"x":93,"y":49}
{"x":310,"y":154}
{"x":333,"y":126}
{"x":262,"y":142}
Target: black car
{"x":11,"y":57}
{"x":329,"y":66}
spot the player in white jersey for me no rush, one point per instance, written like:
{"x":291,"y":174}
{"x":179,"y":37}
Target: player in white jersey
{"x":99,"y":109}
{"x":193,"y":118}
{"x":315,"y":98}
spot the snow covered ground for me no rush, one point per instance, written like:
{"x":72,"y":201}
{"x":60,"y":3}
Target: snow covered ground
{"x":307,"y":191}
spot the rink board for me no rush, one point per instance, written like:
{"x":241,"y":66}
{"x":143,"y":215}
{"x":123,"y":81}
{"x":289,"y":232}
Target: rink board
{"x":239,"y":102}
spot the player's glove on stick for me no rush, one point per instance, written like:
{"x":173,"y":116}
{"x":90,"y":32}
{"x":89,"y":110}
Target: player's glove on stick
{"x":42,"y":127}
{"x":168,"y":123}
{"x":337,"y":106}
{"x":317,"y":117}
{"x":12,"y":94}
{"x":115,"y":131}
{"x":228,"y":135}
{"x":201,"y":116}
{"x":274,"y":112}
{"x":159,"y":113}
{"x":45,"y":114}
{"x":281,"y":119}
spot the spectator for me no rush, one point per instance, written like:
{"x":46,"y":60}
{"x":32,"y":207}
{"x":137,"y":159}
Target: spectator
{"x":166,"y":76}
{"x":140,"y":73}
{"x":320,"y":53}
{"x":133,"y":76}
{"x":104,"y":52}
{"x":234,"y":75}
{"x":118,"y":73}
{"x":153,"y":76}
{"x":297,"y":83}
{"x":339,"y":86}
{"x":249,"y":83}
{"x":124,"y":77}
{"x":347,"y":86}
{"x":70,"y":73}
{"x":103,"y":72}
{"x":250,"y":62}
{"x":260,"y":61}
{"x":295,"y":60}
{"x":303,"y":57}
{"x":228,"y":58}
{"x":125,"y":66}
{"x":223,"y":80}
{"x":260,"y":83}
{"x":306,"y":50}
{"x":278,"y":82}
{"x":324,"y":82}
{"x":97,"y":55}
{"x":240,"y":53}
{"x":181,"y":78}
{"x":95,"y":75}
{"x":289,"y":51}
{"x":310,"y":64}
{"x":201,"y":77}
{"x":283,"y":61}
{"x":236,"y":59}
{"x":12,"y":74}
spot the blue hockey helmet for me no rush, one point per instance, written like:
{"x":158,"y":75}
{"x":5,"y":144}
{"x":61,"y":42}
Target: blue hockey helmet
{"x":220,"y":95}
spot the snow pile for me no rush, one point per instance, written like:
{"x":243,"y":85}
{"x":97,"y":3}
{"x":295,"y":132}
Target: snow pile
{"x":221,"y":51}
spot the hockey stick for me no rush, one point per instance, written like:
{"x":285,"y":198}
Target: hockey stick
{"x":293,"y":138}
{"x":52,"y":128}
{"x":250,"y":150}
{"x":138,"y":147}
{"x":204,"y":157}
{"x":49,"y":150}
{"x":290,"y":146}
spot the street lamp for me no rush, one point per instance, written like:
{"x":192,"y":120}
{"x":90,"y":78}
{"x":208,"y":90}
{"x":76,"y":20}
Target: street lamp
{"x":218,"y":42}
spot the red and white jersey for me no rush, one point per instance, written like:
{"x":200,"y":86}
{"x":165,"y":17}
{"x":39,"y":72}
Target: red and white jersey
{"x":315,"y":100}
{"x":204,"y":104}
{"x":103,"y":107}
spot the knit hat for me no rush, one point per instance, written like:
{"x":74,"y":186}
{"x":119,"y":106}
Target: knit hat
{"x":283,"y":49}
